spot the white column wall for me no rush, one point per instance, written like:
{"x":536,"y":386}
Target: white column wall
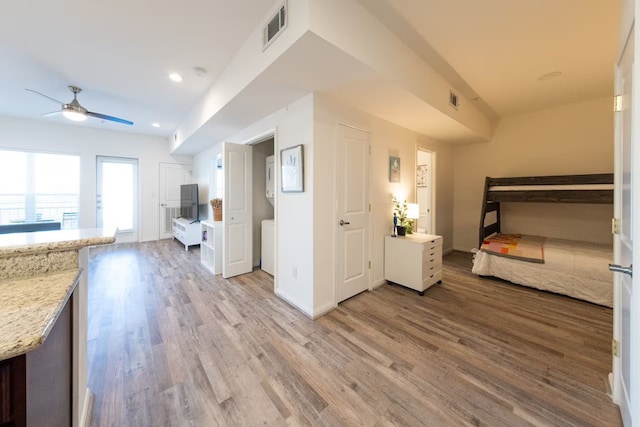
{"x":305,"y":222}
{"x":292,"y":125}
{"x":386,"y":139}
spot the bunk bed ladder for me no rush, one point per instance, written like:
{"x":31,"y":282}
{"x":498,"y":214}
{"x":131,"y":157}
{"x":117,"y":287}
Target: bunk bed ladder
{"x":488,"y":207}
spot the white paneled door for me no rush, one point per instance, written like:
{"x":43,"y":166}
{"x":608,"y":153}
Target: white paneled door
{"x":627,"y":303}
{"x":237,"y":210}
{"x":352,"y":222}
{"x":172,"y":176}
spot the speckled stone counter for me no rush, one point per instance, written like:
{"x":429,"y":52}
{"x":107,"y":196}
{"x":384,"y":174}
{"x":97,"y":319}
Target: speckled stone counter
{"x":44,"y":252}
{"x":39,"y":273}
{"x":29,"y":307}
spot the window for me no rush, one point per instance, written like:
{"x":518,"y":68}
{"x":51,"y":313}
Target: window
{"x":39,"y":187}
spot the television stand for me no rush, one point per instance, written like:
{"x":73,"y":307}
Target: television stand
{"x":187,"y":231}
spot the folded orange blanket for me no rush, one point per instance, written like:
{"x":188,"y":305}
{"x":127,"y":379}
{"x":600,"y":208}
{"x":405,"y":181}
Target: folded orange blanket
{"x":518,"y":246}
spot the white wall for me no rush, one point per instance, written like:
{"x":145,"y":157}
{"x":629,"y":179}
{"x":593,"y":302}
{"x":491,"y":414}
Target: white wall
{"x":88,"y":143}
{"x":570,"y":139}
{"x":386,"y":139}
{"x":204,"y":175}
{"x":305,"y":222}
{"x":292,"y":125}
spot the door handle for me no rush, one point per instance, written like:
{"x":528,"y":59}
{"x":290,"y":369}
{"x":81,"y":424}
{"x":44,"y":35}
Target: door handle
{"x":621,"y":269}
{"x":342,"y":222}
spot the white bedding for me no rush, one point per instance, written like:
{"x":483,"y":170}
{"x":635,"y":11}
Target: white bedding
{"x":576,"y":269}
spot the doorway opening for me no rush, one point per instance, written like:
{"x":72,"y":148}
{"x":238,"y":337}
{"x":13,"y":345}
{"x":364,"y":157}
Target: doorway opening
{"x":247,"y":181}
{"x":425,"y":193}
{"x":264,"y":175}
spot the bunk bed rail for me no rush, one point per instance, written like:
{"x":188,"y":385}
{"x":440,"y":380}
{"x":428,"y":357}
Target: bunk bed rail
{"x":591,"y":189}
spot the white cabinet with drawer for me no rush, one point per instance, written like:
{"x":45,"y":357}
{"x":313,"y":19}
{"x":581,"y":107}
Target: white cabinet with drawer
{"x":414,"y":261}
{"x":187,"y":231}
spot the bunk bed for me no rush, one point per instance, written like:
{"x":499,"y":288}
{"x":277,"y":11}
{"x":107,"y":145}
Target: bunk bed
{"x":573,"y":268}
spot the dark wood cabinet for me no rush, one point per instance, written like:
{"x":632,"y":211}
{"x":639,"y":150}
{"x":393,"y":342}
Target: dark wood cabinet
{"x":35,"y":388}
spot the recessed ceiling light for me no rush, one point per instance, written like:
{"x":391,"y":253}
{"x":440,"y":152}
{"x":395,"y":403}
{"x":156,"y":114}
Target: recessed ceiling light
{"x":175,"y":77}
{"x":549,"y":76}
{"x":155,"y":125}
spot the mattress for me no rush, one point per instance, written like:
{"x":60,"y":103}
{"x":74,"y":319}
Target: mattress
{"x":576,"y":269}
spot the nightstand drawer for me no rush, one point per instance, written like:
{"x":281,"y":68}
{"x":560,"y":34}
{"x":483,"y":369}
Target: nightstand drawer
{"x":432,"y":264}
{"x":431,"y":254}
{"x":430,"y":245}
{"x":432,"y":279}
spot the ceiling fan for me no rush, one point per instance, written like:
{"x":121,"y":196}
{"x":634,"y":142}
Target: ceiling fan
{"x":76,"y":112}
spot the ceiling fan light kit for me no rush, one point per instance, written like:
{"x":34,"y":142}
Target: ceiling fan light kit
{"x":73,"y":115}
{"x":76,"y":112}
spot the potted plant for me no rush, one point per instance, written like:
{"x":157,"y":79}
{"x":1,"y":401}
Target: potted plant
{"x":216,"y":205}
{"x":404,"y":225}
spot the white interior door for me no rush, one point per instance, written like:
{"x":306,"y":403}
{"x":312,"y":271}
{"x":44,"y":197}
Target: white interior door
{"x":352,"y":251}
{"x":627,"y":304}
{"x":172,"y":176}
{"x":117,"y":196}
{"x":237,"y":210}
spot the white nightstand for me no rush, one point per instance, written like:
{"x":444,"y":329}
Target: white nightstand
{"x":414,"y":261}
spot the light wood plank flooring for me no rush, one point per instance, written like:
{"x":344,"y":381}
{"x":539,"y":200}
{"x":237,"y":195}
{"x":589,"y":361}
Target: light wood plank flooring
{"x":172,"y":345}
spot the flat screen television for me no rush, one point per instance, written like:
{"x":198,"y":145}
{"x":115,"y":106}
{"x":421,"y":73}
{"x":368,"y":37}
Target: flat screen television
{"x":189,"y":202}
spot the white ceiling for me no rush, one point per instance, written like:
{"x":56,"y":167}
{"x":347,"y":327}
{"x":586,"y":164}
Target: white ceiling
{"x":121,"y":52}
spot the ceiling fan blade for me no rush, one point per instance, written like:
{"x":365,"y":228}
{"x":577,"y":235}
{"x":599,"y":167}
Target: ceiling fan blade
{"x":53,"y":113}
{"x":46,"y":96}
{"x":110,"y":118}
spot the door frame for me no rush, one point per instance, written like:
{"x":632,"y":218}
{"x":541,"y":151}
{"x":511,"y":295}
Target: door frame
{"x":629,"y":410}
{"x":336,"y":215}
{"x":432,"y":226}
{"x":127,"y":236}
{"x":257,"y":139}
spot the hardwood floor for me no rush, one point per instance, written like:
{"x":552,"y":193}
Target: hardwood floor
{"x":170,"y":344}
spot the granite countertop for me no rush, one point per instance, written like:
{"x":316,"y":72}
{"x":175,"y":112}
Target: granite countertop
{"x":54,"y":240}
{"x":38,"y":273}
{"x":29,"y":307}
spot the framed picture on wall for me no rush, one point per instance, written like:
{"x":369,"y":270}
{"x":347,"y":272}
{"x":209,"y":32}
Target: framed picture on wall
{"x":394,"y":169}
{"x":421,"y":176}
{"x":291,"y":169}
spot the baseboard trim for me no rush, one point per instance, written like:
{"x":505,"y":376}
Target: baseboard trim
{"x":376,"y":284}
{"x":292,"y":302}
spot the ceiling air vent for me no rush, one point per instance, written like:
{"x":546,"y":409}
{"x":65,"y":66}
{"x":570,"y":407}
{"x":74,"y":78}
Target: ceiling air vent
{"x":275,"y":26}
{"x":453,"y":100}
